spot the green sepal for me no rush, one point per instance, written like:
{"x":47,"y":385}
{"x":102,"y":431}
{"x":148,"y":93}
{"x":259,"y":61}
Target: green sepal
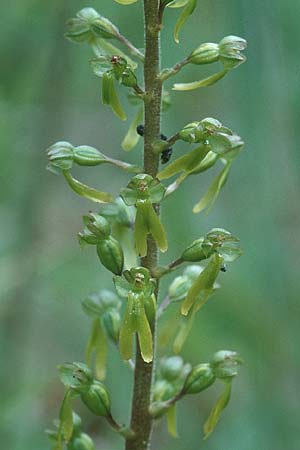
{"x":97,"y":344}
{"x":144,"y":332}
{"x":209,"y":161}
{"x":109,"y":95}
{"x":86,"y":191}
{"x":172,"y":421}
{"x":131,"y":138}
{"x":220,"y":405}
{"x":208,"y":200}
{"x":203,"y":283}
{"x":61,"y":156}
{"x":184,"y":15}
{"x":156,"y":229}
{"x":95,"y":305}
{"x":74,"y":375}
{"x":209,"y":81}
{"x":185,"y":163}
{"x":87,"y":24}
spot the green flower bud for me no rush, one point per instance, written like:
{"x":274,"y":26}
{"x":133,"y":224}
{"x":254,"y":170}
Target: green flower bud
{"x":61,"y":155}
{"x":162,"y":390}
{"x":98,"y":225}
{"x":96,"y":305}
{"x":81,"y":442}
{"x":224,"y":363}
{"x":205,"y":54}
{"x":200,"y":378}
{"x":87,"y":24}
{"x":111,"y":255}
{"x":84,"y":155}
{"x":230,"y":51}
{"x":96,"y":398}
{"x":171,"y":368}
{"x":198,"y":250}
{"x":119,"y":213}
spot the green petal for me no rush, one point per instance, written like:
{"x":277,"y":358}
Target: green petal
{"x":185,"y":163}
{"x":156,"y":228}
{"x":131,"y":138}
{"x":220,"y":405}
{"x":187,"y":11}
{"x":141,"y":228}
{"x":204,"y":282}
{"x":209,"y":81}
{"x":171,"y":421}
{"x":208,"y":200}
{"x":86,"y":191}
{"x":109,"y":95}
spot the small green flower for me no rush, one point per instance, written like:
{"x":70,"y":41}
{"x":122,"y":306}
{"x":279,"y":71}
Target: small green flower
{"x":138,"y":288}
{"x":142,"y":191}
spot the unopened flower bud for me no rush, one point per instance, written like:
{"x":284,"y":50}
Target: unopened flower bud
{"x":96,"y":398}
{"x":111,"y":255}
{"x":96,"y":305}
{"x":205,"y":54}
{"x":230,"y":51}
{"x":81,"y":442}
{"x":171,"y":368}
{"x":162,"y":390}
{"x":61,"y":155}
{"x":98,"y":225}
{"x":200,"y":378}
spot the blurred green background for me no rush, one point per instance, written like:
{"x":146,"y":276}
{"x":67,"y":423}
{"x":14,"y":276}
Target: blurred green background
{"x":49,"y":93}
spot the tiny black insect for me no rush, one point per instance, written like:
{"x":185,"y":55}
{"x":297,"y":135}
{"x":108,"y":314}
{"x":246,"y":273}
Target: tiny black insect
{"x":223,"y":268}
{"x":166,"y":154}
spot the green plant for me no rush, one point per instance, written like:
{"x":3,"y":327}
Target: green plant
{"x":136,"y":212}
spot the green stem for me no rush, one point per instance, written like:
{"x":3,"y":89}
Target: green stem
{"x":141,"y":421}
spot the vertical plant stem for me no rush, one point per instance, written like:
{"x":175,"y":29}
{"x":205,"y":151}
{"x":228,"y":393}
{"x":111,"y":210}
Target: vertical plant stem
{"x":141,"y":421}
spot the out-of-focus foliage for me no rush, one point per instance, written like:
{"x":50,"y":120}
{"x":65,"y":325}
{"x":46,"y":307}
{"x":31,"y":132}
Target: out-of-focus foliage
{"x":48,"y":93}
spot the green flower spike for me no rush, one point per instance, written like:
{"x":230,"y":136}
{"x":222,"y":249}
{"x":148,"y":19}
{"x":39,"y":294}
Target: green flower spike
{"x":103,"y":308}
{"x":98,"y":232}
{"x":142,"y":191}
{"x":138,"y":288}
